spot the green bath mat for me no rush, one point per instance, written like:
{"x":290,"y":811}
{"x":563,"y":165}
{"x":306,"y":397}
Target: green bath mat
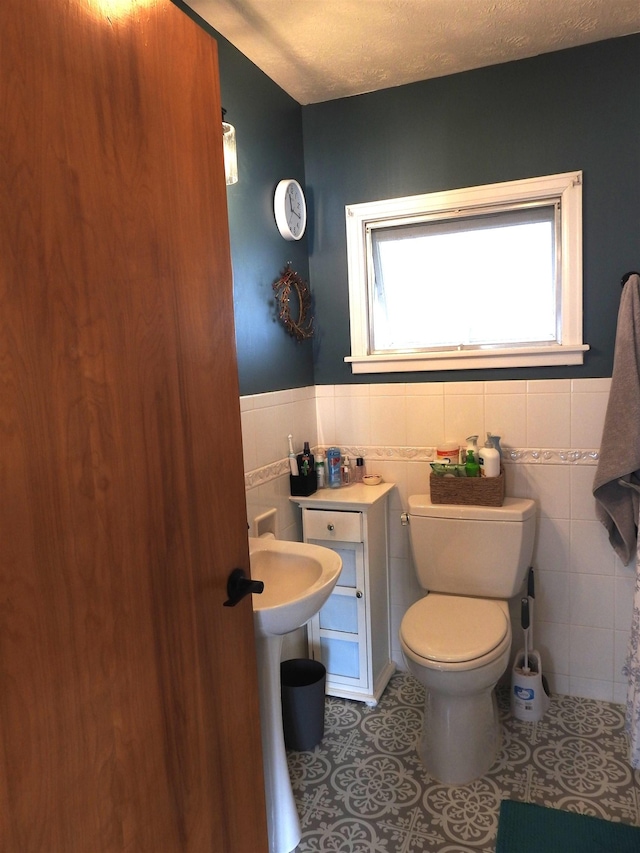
{"x":525,"y":828}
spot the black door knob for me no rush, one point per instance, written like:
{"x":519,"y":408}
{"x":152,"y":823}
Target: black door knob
{"x":239,"y":585}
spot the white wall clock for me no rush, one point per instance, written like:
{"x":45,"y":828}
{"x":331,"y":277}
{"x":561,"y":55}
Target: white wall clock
{"x":290,"y":209}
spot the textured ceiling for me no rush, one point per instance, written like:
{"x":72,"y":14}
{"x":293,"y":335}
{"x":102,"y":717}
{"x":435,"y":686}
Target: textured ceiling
{"x":318,"y":50}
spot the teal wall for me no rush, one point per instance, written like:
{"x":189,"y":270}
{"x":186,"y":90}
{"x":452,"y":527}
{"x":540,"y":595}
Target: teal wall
{"x":268,"y":127}
{"x":570,"y":110}
{"x":574,"y":109}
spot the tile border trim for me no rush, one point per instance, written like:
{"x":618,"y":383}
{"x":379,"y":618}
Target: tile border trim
{"x":513,"y":456}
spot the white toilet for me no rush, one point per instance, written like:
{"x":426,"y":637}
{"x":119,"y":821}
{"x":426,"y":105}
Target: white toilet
{"x":457,"y":639}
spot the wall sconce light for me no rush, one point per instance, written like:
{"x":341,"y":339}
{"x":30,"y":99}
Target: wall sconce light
{"x":229,"y":151}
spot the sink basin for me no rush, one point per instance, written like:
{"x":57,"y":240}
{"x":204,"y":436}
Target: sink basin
{"x":298,"y":578}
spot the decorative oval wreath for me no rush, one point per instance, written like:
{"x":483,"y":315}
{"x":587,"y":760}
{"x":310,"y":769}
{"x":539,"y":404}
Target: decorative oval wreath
{"x":291,"y":289}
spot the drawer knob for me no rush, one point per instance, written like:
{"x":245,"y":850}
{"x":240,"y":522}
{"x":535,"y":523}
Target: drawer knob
{"x":359,"y":594}
{"x":331,"y":527}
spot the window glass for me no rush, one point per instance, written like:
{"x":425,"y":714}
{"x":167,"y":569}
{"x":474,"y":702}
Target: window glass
{"x":462,"y":282}
{"x":487,"y":276}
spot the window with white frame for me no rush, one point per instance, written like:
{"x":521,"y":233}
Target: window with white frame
{"x":480,"y":277}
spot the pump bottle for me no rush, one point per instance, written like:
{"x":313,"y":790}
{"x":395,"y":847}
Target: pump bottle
{"x":472,"y":468}
{"x":489,"y":459}
{"x":472,"y":446}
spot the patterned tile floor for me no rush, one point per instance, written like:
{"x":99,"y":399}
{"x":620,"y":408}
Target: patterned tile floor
{"x":364,"y":789}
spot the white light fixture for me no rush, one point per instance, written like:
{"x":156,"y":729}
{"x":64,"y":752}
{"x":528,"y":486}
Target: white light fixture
{"x":229,"y":151}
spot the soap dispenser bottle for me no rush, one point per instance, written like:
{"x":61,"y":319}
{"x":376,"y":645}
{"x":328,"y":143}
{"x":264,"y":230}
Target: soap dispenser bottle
{"x":472,"y":447}
{"x":489,"y":459}
{"x":471,"y":466}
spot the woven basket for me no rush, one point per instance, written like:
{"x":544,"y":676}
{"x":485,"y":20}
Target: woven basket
{"x":469,"y":491}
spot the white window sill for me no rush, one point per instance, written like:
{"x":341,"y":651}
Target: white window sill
{"x":469,"y":360}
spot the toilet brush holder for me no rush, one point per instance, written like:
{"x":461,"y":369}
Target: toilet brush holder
{"x":529,"y":693}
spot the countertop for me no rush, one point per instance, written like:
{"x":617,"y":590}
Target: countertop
{"x":355,"y":496}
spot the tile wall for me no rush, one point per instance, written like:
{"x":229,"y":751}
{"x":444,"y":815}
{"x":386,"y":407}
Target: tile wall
{"x":550,"y":433}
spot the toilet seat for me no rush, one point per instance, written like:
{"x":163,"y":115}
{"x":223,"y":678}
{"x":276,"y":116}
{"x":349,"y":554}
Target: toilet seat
{"x":448,"y":631}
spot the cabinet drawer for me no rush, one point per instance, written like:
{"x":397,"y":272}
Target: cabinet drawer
{"x":332,"y":526}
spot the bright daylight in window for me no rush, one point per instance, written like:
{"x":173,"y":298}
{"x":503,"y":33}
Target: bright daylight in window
{"x":480,"y":277}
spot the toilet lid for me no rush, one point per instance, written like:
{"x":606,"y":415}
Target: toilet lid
{"x":454,"y":629}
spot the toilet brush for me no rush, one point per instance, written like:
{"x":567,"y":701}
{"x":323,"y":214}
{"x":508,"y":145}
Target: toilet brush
{"x":525,"y":622}
{"x":531,"y":595}
{"x":529,"y":692}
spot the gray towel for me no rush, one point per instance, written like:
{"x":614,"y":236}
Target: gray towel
{"x":619,"y":465}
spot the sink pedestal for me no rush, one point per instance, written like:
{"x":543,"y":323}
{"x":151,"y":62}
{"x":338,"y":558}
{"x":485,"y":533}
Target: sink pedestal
{"x":282,"y":817}
{"x":298,"y":578}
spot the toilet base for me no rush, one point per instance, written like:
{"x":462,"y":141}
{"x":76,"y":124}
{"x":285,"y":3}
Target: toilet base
{"x":461,"y":731}
{"x":460,"y":736}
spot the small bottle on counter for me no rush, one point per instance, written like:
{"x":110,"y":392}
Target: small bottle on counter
{"x":346,"y":471}
{"x":305,"y":460}
{"x":320,"y":470}
{"x":359,"y":472}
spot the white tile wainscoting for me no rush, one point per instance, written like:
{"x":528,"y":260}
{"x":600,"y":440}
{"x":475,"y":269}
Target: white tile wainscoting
{"x":550,"y":434}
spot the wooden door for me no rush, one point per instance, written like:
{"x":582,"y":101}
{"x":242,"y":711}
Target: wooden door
{"x":128,"y":699}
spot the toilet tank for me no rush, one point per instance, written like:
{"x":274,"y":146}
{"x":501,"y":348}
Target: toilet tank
{"x":472,"y":550}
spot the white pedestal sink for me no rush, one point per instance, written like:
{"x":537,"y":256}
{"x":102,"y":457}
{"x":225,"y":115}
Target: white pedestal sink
{"x":298,"y":578}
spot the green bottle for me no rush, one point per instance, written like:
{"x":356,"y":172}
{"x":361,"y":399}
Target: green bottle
{"x":471,"y":466}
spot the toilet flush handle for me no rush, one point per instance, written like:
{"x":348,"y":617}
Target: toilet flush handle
{"x":404,"y":519}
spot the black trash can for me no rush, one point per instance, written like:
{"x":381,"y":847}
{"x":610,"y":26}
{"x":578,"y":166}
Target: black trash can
{"x":303,"y":683}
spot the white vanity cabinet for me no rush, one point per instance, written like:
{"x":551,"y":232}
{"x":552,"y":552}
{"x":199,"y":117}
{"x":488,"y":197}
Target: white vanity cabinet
{"x":350,"y":634}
